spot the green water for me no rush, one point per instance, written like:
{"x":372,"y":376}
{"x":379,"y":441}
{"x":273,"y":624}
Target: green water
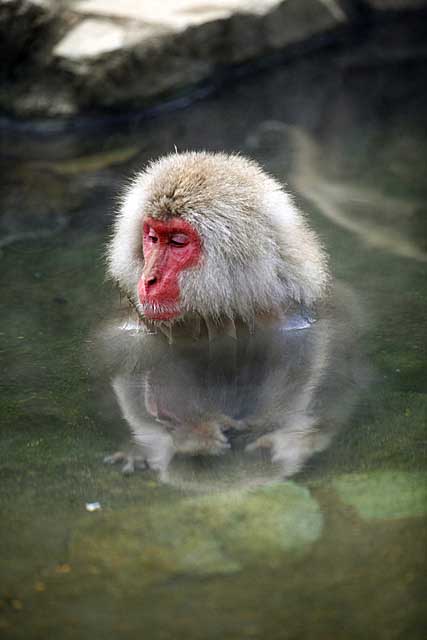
{"x":336,"y":551}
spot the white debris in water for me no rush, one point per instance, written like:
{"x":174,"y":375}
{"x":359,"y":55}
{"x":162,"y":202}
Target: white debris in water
{"x":129,"y":325}
{"x":135,"y":327}
{"x":93,"y":506}
{"x":297,"y":322}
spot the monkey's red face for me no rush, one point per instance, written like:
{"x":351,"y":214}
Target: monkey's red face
{"x":169,"y":248}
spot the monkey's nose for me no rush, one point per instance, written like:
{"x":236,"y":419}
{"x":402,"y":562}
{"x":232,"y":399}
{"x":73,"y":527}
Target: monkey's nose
{"x":150,"y":281}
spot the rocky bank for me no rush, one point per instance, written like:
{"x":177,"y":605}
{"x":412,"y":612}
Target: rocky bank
{"x":66,"y":57}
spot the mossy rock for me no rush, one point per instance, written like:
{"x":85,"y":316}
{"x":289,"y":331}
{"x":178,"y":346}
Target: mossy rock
{"x":384,"y":494}
{"x":207,"y":535}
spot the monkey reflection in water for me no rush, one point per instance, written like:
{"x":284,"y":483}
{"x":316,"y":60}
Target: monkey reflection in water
{"x":237,"y":368}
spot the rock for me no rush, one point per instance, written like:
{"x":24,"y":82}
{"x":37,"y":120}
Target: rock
{"x":62,"y":58}
{"x":217,"y":534}
{"x":175,"y":14}
{"x":396,"y":5}
{"x":91,"y":37}
{"x":162,"y":47}
{"x":105,"y":54}
{"x":24,"y":27}
{"x":384,"y":494}
{"x":298,"y":20}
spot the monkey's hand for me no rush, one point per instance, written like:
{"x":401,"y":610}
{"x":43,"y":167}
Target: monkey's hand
{"x":207,"y":436}
{"x":291,"y":448}
{"x":130,"y":461}
{"x":204,"y":438}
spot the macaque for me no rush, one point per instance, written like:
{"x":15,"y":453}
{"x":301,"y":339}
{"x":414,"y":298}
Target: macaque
{"x":213,"y":253}
{"x":211,"y":237}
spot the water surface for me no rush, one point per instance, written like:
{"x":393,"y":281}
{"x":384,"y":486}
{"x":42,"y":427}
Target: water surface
{"x":335,"y":551}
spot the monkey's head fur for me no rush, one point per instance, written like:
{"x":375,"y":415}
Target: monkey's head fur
{"x":258,"y":254}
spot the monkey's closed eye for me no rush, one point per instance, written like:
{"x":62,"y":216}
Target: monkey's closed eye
{"x":179,"y":240}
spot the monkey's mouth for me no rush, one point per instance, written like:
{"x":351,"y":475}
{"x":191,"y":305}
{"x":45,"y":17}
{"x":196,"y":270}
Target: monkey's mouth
{"x":158,"y":312}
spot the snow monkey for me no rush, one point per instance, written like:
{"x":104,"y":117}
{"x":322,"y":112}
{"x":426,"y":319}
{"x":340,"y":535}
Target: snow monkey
{"x":211,"y":236}
{"x":210,"y":240}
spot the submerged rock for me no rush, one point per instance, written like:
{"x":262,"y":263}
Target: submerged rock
{"x":207,"y":535}
{"x":384,"y":494}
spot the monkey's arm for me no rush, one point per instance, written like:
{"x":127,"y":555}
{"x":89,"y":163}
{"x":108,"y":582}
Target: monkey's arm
{"x":151,"y":446}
